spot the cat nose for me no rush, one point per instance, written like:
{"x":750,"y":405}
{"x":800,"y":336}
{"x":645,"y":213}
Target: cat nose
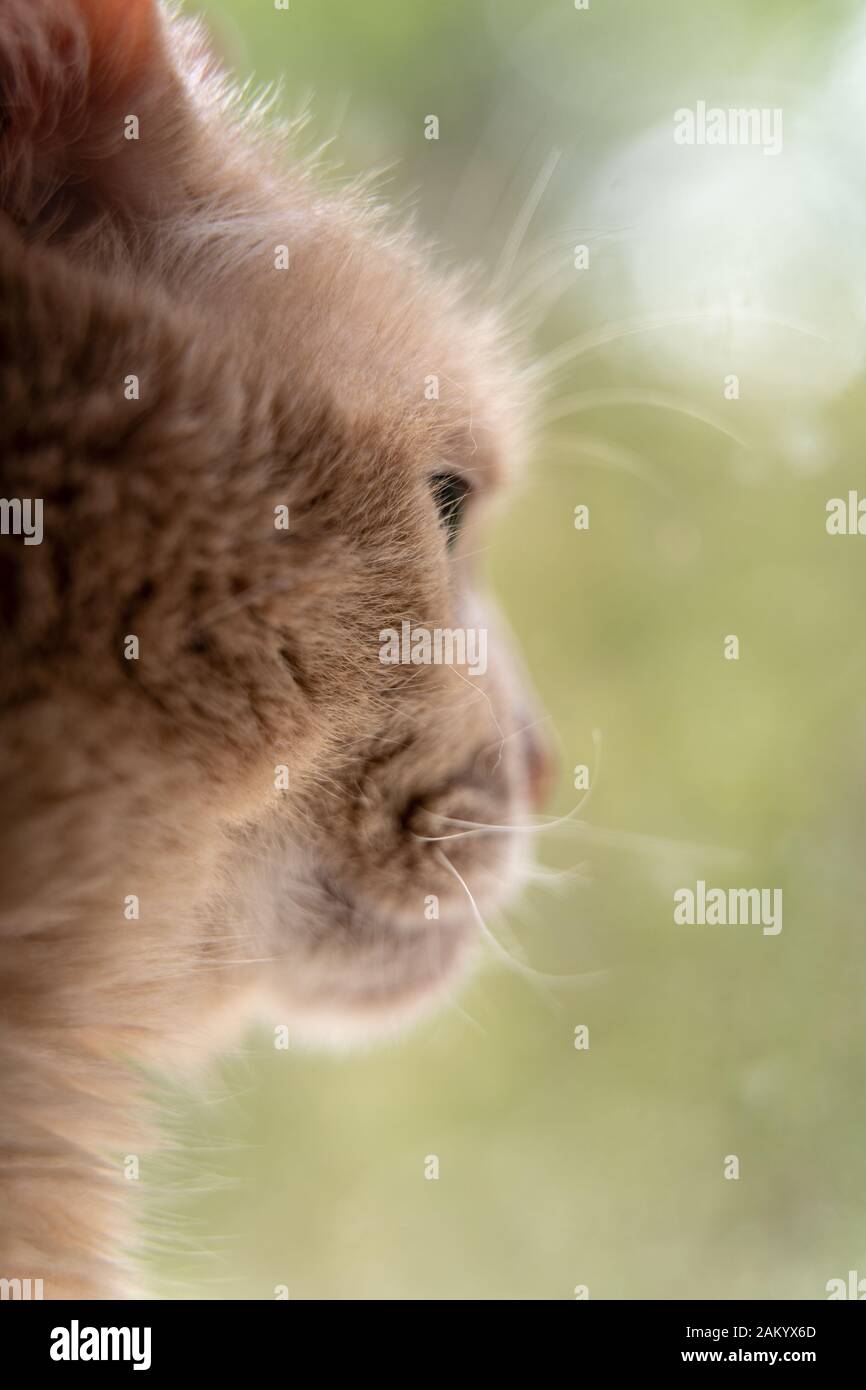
{"x":540,"y":765}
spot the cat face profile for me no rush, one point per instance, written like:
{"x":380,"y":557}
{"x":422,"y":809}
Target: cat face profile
{"x":256,"y":715}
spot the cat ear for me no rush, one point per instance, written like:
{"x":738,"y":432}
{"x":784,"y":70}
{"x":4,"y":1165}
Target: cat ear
{"x":89,"y":107}
{"x":124,"y":43}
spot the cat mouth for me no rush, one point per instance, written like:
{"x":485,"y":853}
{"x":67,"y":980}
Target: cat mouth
{"x":362,"y":960}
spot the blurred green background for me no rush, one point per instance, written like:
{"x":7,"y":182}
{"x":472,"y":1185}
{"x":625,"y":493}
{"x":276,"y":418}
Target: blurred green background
{"x":604,"y":1167}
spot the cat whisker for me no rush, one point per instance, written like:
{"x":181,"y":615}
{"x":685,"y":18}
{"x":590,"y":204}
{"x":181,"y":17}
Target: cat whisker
{"x":594,"y":834}
{"x":545,"y":719}
{"x":486,"y":698}
{"x":542,"y":824}
{"x":601,"y":453}
{"x":537,"y":277}
{"x":516,"y":733}
{"x":583,"y":343}
{"x":517,"y":235}
{"x":557,"y":879}
{"x":510,"y":961}
{"x":635,"y":840}
{"x":202,"y":967}
{"x":603,"y":396}
{"x":466,"y":1017}
{"x":483,"y":828}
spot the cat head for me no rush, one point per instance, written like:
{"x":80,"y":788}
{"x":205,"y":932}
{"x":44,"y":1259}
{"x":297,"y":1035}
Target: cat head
{"x":276,"y":437}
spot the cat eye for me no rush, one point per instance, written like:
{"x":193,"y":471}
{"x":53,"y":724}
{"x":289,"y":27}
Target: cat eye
{"x":450,"y":493}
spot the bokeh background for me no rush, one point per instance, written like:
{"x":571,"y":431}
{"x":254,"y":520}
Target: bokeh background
{"x":605,"y":1167}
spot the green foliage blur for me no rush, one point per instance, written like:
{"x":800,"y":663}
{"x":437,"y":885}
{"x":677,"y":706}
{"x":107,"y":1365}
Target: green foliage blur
{"x":561,"y":1167}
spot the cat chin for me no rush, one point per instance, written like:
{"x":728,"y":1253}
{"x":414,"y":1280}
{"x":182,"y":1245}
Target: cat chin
{"x":343,"y":963}
{"x":380,"y":976}
{"x":347,"y":1012}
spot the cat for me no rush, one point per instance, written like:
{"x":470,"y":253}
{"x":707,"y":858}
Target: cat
{"x":263,"y":433}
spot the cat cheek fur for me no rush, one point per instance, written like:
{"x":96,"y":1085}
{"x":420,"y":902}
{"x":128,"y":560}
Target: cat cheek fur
{"x":352,"y":893}
{"x":161,"y":779}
